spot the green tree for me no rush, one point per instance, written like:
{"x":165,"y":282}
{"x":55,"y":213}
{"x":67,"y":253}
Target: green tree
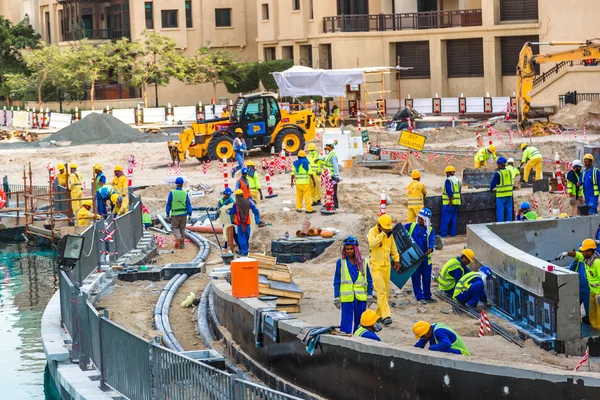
{"x":45,"y":65}
{"x":17,"y":86}
{"x":266,"y":69}
{"x":209,"y":66}
{"x":243,"y":78}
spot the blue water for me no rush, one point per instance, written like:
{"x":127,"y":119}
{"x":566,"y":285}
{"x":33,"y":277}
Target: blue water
{"x":27,"y":283}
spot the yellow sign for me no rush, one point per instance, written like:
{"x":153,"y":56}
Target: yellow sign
{"x":412,"y":140}
{"x":20,"y":119}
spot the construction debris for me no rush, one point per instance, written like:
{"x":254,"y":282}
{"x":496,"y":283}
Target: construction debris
{"x":276,"y":280}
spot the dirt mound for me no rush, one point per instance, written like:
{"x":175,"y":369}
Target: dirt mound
{"x":97,"y":129}
{"x":586,"y":113}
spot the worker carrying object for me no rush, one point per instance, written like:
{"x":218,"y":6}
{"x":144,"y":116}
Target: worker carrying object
{"x":242,"y":219}
{"x":304,"y":177}
{"x":591,"y":179}
{"x":533,"y":157}
{"x":254,"y":182}
{"x":352,"y":285}
{"x":239,"y":146}
{"x":99,"y":176}
{"x":381,"y":247}
{"x":502,"y":184}
{"x":119,"y":182}
{"x":589,"y":256}
{"x":225,"y":204}
{"x":525,"y":213}
{"x":85,"y":216}
{"x":316,"y":166}
{"x":454,"y":270}
{"x":179,"y":207}
{"x":440,"y":338}
{"x":483,"y":155}
{"x":470,"y":289}
{"x":515,"y":173}
{"x":76,"y":188}
{"x":330,"y":161}
{"x":62,"y":176}
{"x":575,"y":186}
{"x":368,"y":326}
{"x":416,"y":193}
{"x":450,"y":202}
{"x":424,"y":236}
{"x":120,"y":204}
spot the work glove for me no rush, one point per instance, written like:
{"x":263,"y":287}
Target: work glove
{"x":337,"y":303}
{"x":487,"y":304}
{"x":562,"y":255}
{"x":369,"y":301}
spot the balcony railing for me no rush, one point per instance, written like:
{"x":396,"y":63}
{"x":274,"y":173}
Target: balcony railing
{"x":400,"y":22}
{"x":95,"y":34}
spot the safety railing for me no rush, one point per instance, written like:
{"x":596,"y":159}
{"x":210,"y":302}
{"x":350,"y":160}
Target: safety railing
{"x":575,"y":98}
{"x":68,"y":303}
{"x":540,"y":80}
{"x":245,"y":390}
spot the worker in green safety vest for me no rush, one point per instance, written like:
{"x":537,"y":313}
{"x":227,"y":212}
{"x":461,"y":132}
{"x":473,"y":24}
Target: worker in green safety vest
{"x":440,"y":337}
{"x":525,"y":213}
{"x":502,"y":184}
{"x":453,"y":270}
{"x":368,"y":326}
{"x":179,"y":207}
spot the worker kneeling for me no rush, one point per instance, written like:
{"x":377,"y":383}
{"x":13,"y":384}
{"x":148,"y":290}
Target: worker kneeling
{"x":454,"y":270}
{"x":120,"y":204}
{"x":368,"y":326}
{"x":440,"y":338}
{"x":525,"y":213}
{"x":470,"y":289}
{"x":84,"y":215}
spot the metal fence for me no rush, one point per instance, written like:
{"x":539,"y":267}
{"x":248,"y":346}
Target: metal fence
{"x":68,"y":303}
{"x":245,"y":390}
{"x":576,"y":97}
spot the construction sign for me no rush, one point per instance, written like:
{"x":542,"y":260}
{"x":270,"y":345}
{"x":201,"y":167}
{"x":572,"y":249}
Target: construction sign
{"x":21,"y":119}
{"x":412,"y":140}
{"x":365,"y":136}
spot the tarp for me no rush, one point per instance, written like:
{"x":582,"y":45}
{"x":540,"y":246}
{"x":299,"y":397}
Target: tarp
{"x":304,"y":81}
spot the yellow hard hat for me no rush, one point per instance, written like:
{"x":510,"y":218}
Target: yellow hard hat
{"x":563,"y":215}
{"x":523,"y":145}
{"x":368,"y":318}
{"x":60,"y":166}
{"x":118,"y":168}
{"x":114,"y":198}
{"x":469,"y":254}
{"x":87,"y":203}
{"x":301,"y":153}
{"x":239,"y":130}
{"x":250,"y":164}
{"x":415,"y":174}
{"x":239,"y":191}
{"x":421,"y":328}
{"x":588,"y":156}
{"x":385,"y":221}
{"x":492,"y":149}
{"x":588,"y":244}
{"x":98,"y":166}
{"x":450,"y":168}
{"x":72,"y":165}
{"x":311,"y":147}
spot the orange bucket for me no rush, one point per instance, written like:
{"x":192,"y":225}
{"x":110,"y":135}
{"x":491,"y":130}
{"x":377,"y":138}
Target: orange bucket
{"x":244,"y":277}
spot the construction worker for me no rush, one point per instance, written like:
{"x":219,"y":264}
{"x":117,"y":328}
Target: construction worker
{"x":533,"y":158}
{"x":502,"y":184}
{"x":525,"y":213}
{"x":315,"y":165}
{"x":241,"y":218}
{"x":589,"y":256}
{"x":99,"y":176}
{"x":76,"y":188}
{"x":381,"y":247}
{"x":514,"y":172}
{"x":368,"y":326}
{"x":179,"y":207}
{"x":146,"y":220}
{"x":440,"y":337}
{"x":584,"y":287}
{"x":224,"y":204}
{"x":120,"y":204}
{"x":62,"y":176}
{"x":119,"y":182}
{"x":239,"y":146}
{"x":84,"y":215}
{"x":424,"y":236}
{"x":334,"y":116}
{"x":243,"y":184}
{"x":454,"y":270}
{"x":416,"y":192}
{"x":352,"y":285}
{"x":330,"y":161}
{"x":254,"y":182}
{"x":304,"y":176}
{"x":103,"y":195}
{"x":591,"y":178}
{"x":483,"y":155}
{"x":450,"y":202}
{"x":470,"y":289}
{"x":575,"y":186}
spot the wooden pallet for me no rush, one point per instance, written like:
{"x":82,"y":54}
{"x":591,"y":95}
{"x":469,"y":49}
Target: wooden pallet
{"x":286,"y":301}
{"x":279,"y":275}
{"x":289,"y":309}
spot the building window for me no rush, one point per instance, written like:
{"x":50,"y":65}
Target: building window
{"x":188,"y":15}
{"x":415,"y":55}
{"x":149,"y":15}
{"x":325,"y":56}
{"x":169,"y":18}
{"x":354,"y":7}
{"x":311,"y":9}
{"x":295,"y":5}
{"x":465,"y":58}
{"x":510,"y":48}
{"x":287,"y":52}
{"x":518,"y":10}
{"x":269,"y":53}
{"x":222,"y":17}
{"x":48,"y":30}
{"x":265,"y":12}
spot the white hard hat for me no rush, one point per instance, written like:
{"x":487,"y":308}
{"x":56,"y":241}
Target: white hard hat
{"x":510,"y":160}
{"x":330,"y":142}
{"x":577,"y":163}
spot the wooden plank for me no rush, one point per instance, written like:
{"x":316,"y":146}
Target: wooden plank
{"x":263,"y":285}
{"x":264,"y":261}
{"x":275,"y":275}
{"x":285,"y":301}
{"x":279,"y":293}
{"x":289,"y":309}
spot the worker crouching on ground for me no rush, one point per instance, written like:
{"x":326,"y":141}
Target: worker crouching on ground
{"x":120,"y":204}
{"x":454,"y":270}
{"x":470,"y":289}
{"x":533,"y":159}
{"x":381,"y":247}
{"x":450,"y":202}
{"x":424,"y":236}
{"x":482,"y":156}
{"x":591,"y":259}
{"x":515,"y":173}
{"x":241,"y":218}
{"x":440,"y":337}
{"x":331,"y":163}
{"x":525,"y":213}
{"x":119,"y":182}
{"x":76,"y":188}
{"x":179,"y":207}
{"x":239,"y":146}
{"x":304,"y":177}
{"x":84,"y":215}
{"x":575,"y":186}
{"x":368,"y":326}
{"x":315,"y":165}
{"x":591,"y":180}
{"x":352,"y":285}
{"x":103,"y":196}
{"x":254,"y":182}
{"x":502,"y":183}
{"x":416,"y":192}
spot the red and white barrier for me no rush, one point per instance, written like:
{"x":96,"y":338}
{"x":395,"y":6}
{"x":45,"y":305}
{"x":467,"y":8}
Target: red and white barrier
{"x":484,"y":322}
{"x":358,"y":120}
{"x":550,"y":208}
{"x":489,"y":135}
{"x":225,"y":173}
{"x":270,"y":192}
{"x":130,"y":166}
{"x":558,"y":173}
{"x":585,"y":358}
{"x":382,"y":203}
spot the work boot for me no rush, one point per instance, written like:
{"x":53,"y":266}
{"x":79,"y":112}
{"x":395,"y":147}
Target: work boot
{"x":432,"y":300}
{"x":311,"y":212}
{"x":423,"y":301}
{"x":387,"y":321}
{"x":262,"y":224}
{"x":178,"y":243}
{"x":316,"y":203}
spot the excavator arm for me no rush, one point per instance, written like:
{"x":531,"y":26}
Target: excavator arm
{"x":589,"y":49}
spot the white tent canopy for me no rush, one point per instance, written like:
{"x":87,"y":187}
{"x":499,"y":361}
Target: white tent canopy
{"x":304,"y":81}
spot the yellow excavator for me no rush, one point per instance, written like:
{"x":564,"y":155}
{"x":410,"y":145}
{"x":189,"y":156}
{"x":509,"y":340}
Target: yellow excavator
{"x":588,"y":50}
{"x":264,"y":125}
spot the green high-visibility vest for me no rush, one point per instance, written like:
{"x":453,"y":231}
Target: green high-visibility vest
{"x":458,"y":343}
{"x":505,"y":188}
{"x":360,"y":331}
{"x":595,"y":181}
{"x":530,"y":216}
{"x":328,"y":163}
{"x":445,"y":280}
{"x":178,"y":203}
{"x":315,"y":162}
{"x":301,"y":175}
{"x":572,"y":188}
{"x":350,"y":290}
{"x":531,"y":153}
{"x":465,"y":283}
{"x":456,"y":187}
{"x":410,"y":232}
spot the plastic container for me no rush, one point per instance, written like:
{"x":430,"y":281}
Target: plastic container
{"x":270,"y":301}
{"x":244,"y":277}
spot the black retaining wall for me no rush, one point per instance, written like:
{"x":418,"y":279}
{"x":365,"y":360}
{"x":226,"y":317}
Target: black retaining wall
{"x":476,"y":208}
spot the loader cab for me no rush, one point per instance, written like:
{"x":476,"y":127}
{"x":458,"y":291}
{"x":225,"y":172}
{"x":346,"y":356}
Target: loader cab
{"x":258,"y":116}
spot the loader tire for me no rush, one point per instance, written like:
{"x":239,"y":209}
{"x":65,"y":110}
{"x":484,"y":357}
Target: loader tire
{"x":290,"y":139}
{"x":219,"y":147}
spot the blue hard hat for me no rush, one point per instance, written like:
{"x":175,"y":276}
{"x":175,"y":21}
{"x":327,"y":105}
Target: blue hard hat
{"x":244,"y":171}
{"x":179,"y":181}
{"x":501,"y":160}
{"x":525,"y":206}
{"x":350,"y":240}
{"x":425,"y":212}
{"x":227,"y":192}
{"x":486,"y":270}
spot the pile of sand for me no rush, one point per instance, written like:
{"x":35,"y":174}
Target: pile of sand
{"x":586,"y":113}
